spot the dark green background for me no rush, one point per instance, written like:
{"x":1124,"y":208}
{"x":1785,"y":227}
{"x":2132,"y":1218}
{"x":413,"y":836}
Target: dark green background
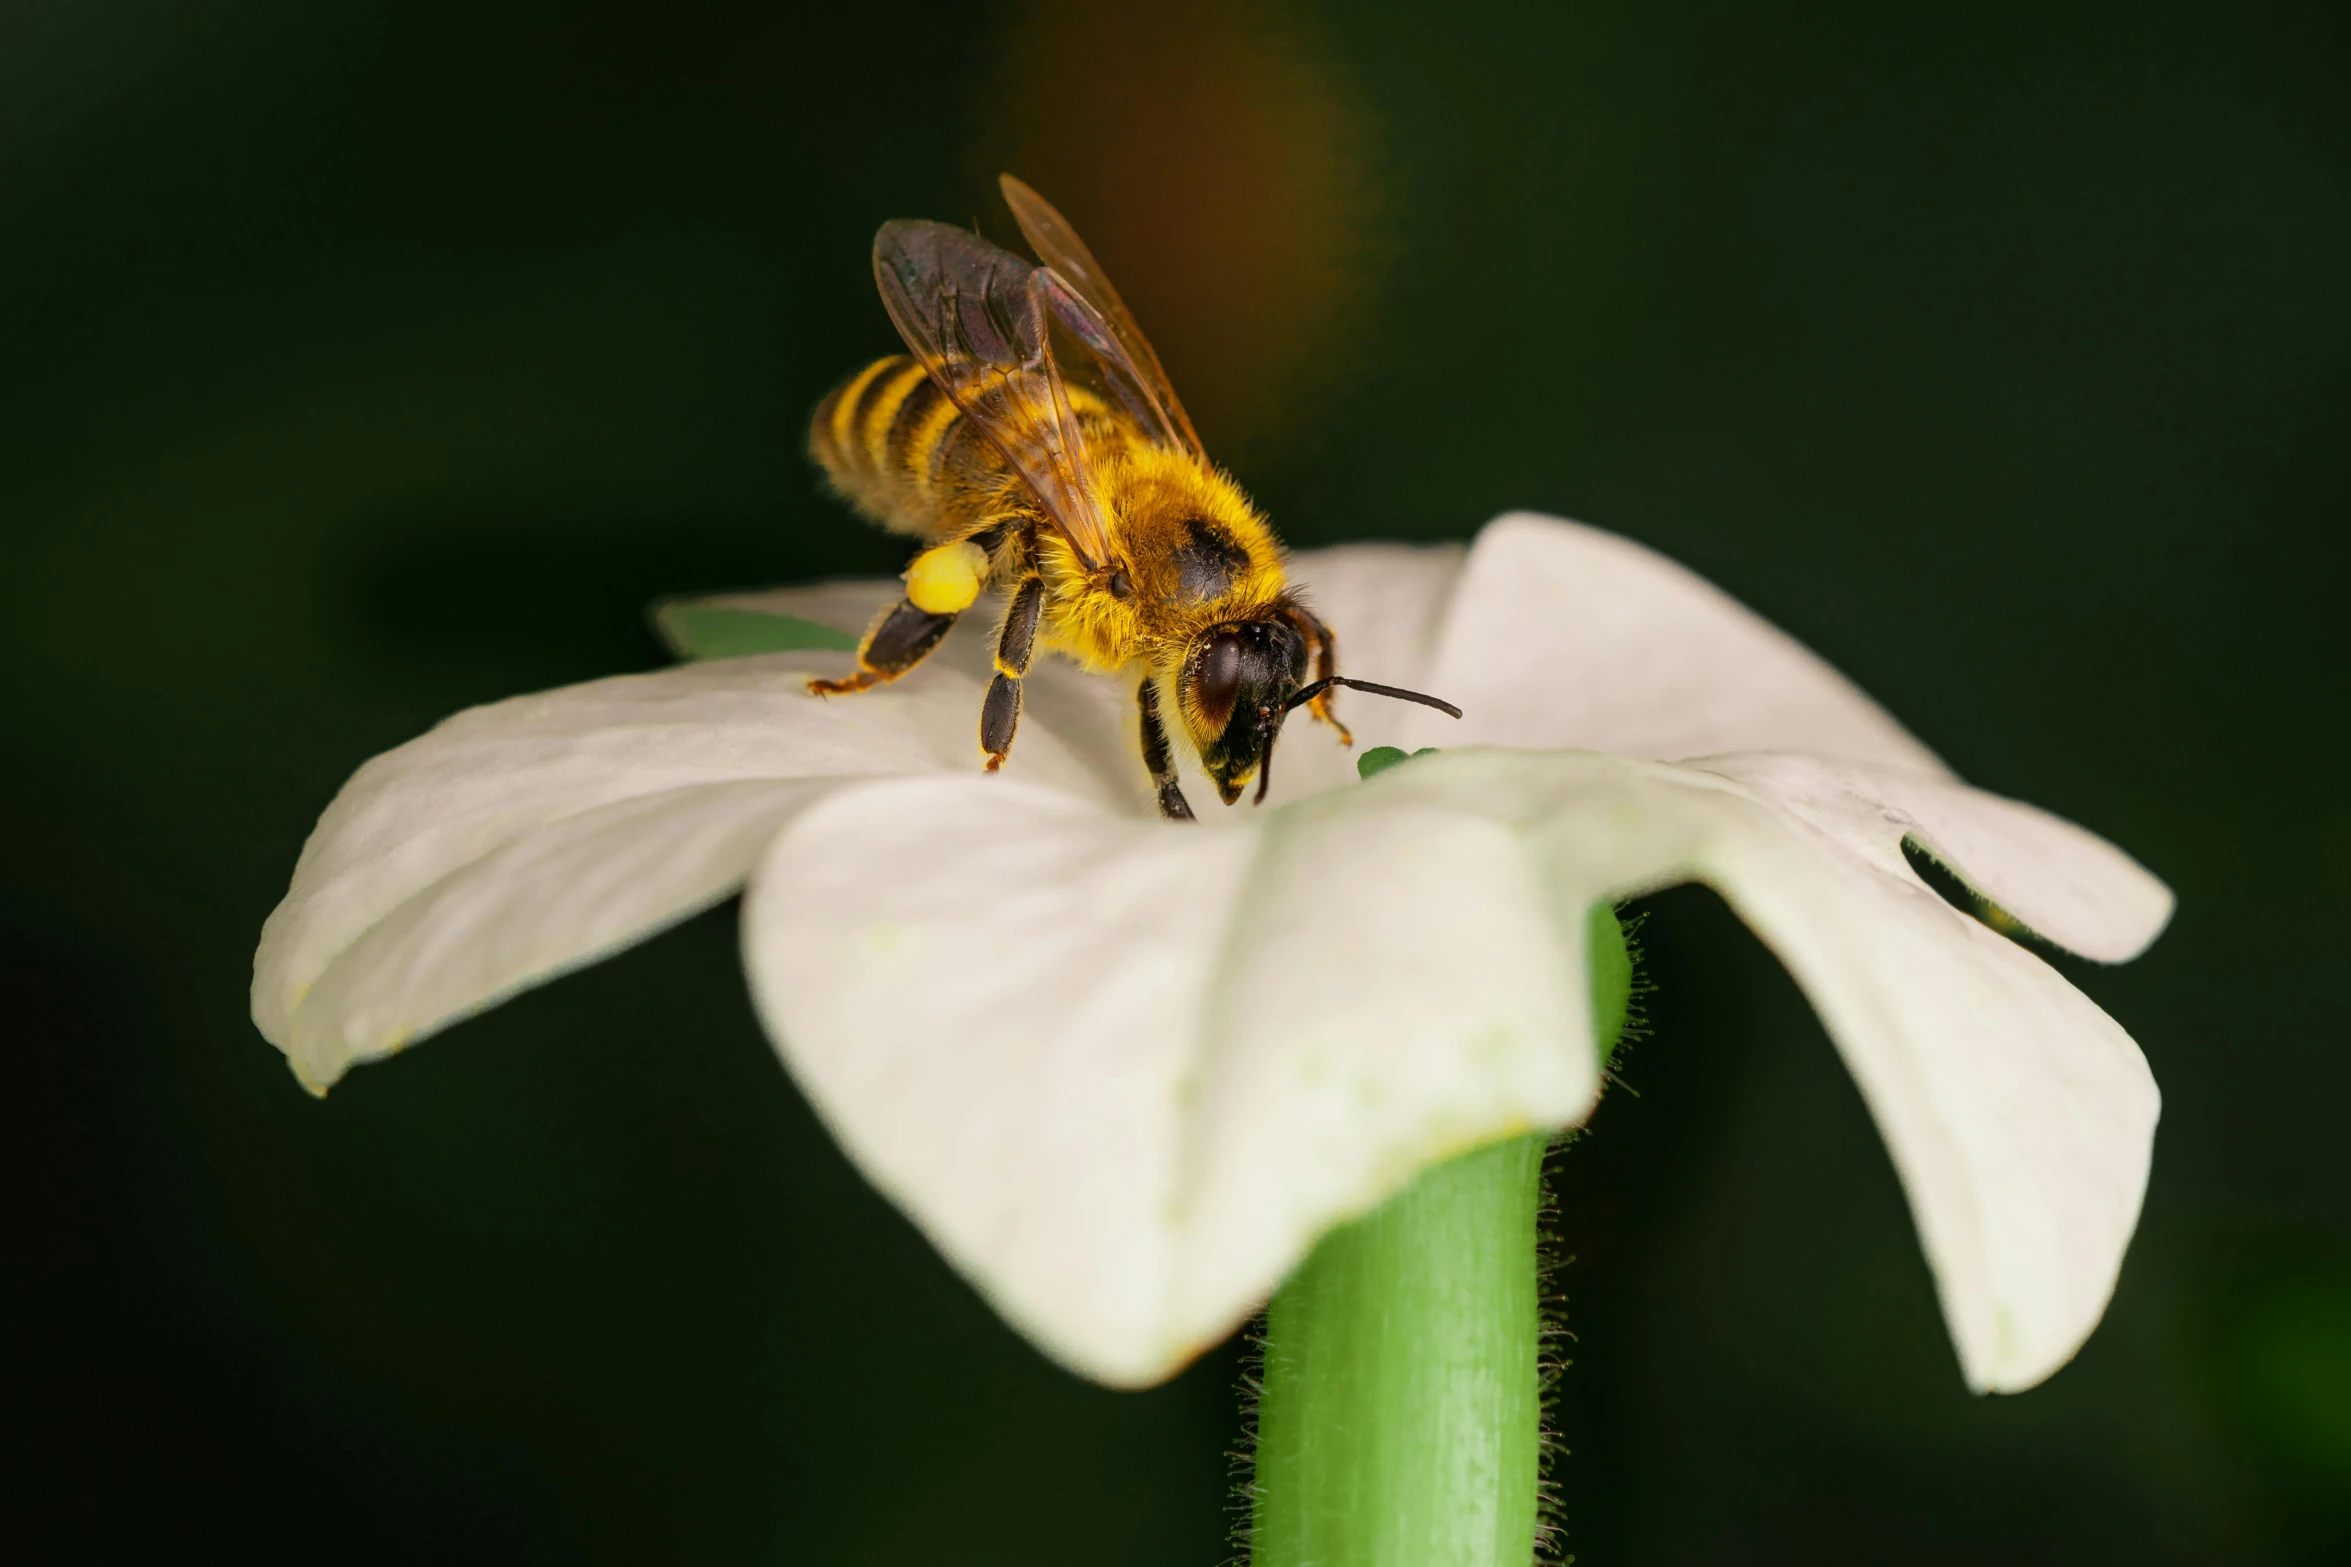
{"x":363,"y":361}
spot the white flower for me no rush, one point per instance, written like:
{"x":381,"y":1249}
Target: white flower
{"x":1123,"y":1072}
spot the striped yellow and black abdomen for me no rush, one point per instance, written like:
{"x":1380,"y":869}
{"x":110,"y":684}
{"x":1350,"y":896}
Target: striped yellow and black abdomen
{"x":893,"y":444}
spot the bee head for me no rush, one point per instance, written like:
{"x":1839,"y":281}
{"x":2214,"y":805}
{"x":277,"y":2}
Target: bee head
{"x":1233,"y":688}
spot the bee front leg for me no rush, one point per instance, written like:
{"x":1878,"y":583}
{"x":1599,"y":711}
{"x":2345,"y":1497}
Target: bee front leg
{"x":1326,"y":664}
{"x":1015,"y":644}
{"x":1159,"y":759}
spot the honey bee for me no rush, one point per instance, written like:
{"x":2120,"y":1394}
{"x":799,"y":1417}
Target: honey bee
{"x":1030,"y":438}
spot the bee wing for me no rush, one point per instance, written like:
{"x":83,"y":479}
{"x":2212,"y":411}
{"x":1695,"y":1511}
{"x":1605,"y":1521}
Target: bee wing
{"x":1132,"y":371}
{"x":978,"y":319}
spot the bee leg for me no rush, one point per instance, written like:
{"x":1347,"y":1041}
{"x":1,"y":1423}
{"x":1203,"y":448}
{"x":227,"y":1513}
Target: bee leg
{"x":1159,"y":759}
{"x":1326,"y":665}
{"x":902,"y":638}
{"x":1000,"y":713}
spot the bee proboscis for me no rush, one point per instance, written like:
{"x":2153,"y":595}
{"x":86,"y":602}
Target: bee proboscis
{"x":1031,"y":439}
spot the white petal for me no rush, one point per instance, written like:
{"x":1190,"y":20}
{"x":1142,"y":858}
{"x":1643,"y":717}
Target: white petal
{"x":2020,"y":1117}
{"x":1402,"y":981}
{"x":522,"y":839}
{"x":2064,"y":884}
{"x":1124,"y":1074}
{"x":1561,"y":635}
{"x":550,"y":900}
{"x":512,"y":815}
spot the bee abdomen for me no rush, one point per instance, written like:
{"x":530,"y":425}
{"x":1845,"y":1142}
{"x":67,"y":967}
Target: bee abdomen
{"x":886,"y":438}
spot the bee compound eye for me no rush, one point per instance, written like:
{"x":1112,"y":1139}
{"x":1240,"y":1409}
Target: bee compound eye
{"x":1216,"y":675}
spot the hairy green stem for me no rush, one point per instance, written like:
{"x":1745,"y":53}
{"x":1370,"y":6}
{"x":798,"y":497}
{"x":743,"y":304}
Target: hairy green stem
{"x":1400,"y":1418}
{"x":1400,"y":1423}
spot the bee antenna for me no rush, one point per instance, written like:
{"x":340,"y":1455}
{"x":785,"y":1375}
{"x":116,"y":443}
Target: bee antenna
{"x":1306,"y":694}
{"x":1272,"y":722}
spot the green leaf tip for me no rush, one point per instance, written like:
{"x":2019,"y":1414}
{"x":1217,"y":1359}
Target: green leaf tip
{"x":694,"y":630}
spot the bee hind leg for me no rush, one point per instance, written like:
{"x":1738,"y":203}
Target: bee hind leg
{"x":1159,"y":759}
{"x":902,"y":638}
{"x":1015,"y":645}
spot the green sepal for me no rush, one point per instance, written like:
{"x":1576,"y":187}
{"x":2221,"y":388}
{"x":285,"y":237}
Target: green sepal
{"x":1380,"y":758}
{"x":1608,"y":967}
{"x":691,"y":629}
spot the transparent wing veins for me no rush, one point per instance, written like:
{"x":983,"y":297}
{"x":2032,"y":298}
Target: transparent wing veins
{"x":1091,"y":310}
{"x":980,"y":320}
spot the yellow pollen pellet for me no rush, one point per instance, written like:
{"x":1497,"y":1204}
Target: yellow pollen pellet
{"x":945,"y":580}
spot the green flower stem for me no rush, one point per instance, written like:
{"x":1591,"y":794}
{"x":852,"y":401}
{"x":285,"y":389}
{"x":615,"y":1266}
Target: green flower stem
{"x":1400,"y":1420}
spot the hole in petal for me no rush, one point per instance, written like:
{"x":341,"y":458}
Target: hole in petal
{"x":1952,"y":890}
